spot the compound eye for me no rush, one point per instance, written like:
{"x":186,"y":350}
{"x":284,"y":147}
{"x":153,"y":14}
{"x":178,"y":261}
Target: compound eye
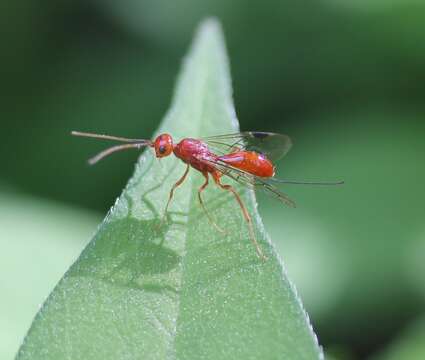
{"x":162,"y":149}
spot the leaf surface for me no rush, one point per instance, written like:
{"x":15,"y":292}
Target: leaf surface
{"x":183,"y":290}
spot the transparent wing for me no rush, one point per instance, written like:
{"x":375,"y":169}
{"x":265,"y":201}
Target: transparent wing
{"x":249,"y":180}
{"x":273,"y":145}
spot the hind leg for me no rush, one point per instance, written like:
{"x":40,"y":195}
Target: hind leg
{"x":202,"y":188}
{"x":244,"y":212}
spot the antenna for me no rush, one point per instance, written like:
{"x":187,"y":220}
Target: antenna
{"x":105,"y":137}
{"x":113,"y":149}
{"x":131,"y":143}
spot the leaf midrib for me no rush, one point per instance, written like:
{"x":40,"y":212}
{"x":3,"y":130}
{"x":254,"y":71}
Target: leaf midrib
{"x":192,"y":200}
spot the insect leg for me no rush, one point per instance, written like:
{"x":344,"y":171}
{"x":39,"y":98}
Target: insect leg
{"x":176,"y":185}
{"x":202,"y":188}
{"x":245,"y":214}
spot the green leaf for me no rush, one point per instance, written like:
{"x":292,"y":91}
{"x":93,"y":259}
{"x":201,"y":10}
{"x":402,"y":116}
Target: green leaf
{"x":52,"y":231}
{"x":181,"y":291}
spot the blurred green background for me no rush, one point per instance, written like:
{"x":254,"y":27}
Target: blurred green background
{"x":345,"y":79}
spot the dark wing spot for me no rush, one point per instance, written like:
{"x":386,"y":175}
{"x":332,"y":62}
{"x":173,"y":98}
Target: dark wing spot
{"x":162,"y":149}
{"x":259,"y":134}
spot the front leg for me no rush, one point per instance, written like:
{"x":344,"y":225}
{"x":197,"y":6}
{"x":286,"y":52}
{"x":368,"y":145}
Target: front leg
{"x":176,"y":185}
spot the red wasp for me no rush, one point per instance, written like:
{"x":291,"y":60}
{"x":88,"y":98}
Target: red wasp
{"x":245,"y":157}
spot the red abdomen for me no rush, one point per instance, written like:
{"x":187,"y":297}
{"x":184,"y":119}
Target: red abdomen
{"x":251,"y":162}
